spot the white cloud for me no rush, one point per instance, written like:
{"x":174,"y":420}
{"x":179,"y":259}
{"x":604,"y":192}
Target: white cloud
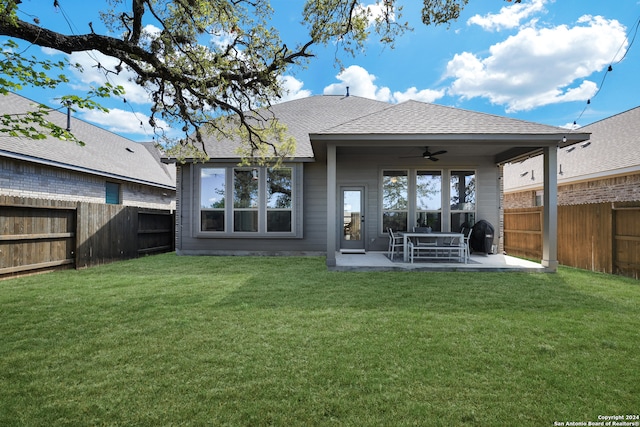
{"x":93,"y":75}
{"x":375,"y":11}
{"x":151,"y":31}
{"x":122,"y":122}
{"x":292,"y":89}
{"x":538,"y":67}
{"x":509,"y":16}
{"x":361,"y":83}
{"x":571,"y":126}
{"x":425,"y":95}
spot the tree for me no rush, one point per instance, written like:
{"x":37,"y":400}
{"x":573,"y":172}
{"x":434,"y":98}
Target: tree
{"x":195,"y":83}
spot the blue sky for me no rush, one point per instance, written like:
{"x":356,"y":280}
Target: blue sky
{"x":540,"y":60}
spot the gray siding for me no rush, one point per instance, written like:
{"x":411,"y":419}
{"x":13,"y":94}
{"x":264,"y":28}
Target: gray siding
{"x":360,"y":167}
{"x":312,"y":203}
{"x":355,"y":168}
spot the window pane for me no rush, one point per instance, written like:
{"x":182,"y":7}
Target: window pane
{"x":430,"y":219}
{"x":463,"y":190}
{"x":428,"y":191}
{"x":279,"y":188}
{"x":212,"y":220}
{"x":397,"y":221}
{"x":245,"y":188}
{"x":212,"y":186}
{"x":278,"y":221}
{"x":245,"y":221}
{"x":539,"y":199}
{"x":462,"y":221}
{"x":112,"y":190}
{"x":395,"y":186}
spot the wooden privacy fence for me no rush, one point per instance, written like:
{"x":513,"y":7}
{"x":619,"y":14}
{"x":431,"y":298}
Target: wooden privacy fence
{"x":41,"y":235}
{"x":599,"y":237}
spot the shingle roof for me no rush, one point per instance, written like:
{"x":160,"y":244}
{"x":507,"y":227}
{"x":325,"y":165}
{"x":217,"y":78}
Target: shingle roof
{"x":105,"y":153}
{"x":306,"y":116}
{"x":335,"y":116}
{"x":414,"y":117}
{"x":614,"y":148}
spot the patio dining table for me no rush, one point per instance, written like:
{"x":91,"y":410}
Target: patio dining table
{"x":437,"y":241}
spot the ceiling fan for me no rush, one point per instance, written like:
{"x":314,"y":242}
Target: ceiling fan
{"x":429,"y":155}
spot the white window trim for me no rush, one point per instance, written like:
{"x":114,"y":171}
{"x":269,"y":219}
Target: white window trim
{"x":475,"y":209}
{"x":262,"y":233}
{"x":446,"y":210}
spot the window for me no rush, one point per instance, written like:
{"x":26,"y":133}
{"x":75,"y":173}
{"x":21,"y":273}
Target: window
{"x":212,"y":192}
{"x":257,"y":201}
{"x":112,"y":191}
{"x":463,"y":199}
{"x":429,"y":199}
{"x":245,"y":199}
{"x":395,"y":200}
{"x":538,"y":198}
{"x":279,"y":206}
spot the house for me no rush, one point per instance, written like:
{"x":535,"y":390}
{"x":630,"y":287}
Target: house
{"x":360,"y":166}
{"x":107,"y":169}
{"x":604,"y":169}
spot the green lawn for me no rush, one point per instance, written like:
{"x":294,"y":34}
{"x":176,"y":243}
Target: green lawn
{"x":167,"y":340}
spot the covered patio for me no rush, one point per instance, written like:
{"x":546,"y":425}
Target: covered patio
{"x":379,"y":261}
{"x":470,"y":143}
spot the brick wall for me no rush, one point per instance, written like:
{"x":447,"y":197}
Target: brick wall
{"x":617,"y":189}
{"x":624,"y":188}
{"x":24,"y":179}
{"x":522,"y":199}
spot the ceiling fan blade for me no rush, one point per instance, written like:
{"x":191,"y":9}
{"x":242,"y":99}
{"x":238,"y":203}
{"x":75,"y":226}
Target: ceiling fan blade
{"x":426,"y":155}
{"x":437,"y":153}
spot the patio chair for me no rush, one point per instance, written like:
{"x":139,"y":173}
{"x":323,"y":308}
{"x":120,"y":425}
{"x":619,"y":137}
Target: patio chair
{"x":396,"y":243}
{"x":467,"y":248}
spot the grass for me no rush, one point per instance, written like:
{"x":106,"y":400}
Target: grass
{"x":168,"y":340}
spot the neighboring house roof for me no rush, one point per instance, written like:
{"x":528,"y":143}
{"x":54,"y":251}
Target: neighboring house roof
{"x":326,"y":118}
{"x":104,"y":153}
{"x":613,"y":149}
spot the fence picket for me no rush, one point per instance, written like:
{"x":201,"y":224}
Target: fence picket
{"x":42,"y":235}
{"x":601,"y":237}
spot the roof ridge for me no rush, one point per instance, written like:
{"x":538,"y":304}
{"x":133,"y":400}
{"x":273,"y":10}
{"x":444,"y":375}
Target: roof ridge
{"x":104,"y":153}
{"x":389,"y":106}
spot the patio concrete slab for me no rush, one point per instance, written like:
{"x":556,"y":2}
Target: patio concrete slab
{"x":379,"y":261}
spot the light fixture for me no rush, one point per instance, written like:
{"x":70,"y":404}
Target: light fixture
{"x":585,"y":144}
{"x":564,"y":139}
{"x":570,"y":149}
{"x":254,"y":174}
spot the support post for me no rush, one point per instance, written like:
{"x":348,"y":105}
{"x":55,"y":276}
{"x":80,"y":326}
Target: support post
{"x":331,"y":205}
{"x":550,"y":222}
